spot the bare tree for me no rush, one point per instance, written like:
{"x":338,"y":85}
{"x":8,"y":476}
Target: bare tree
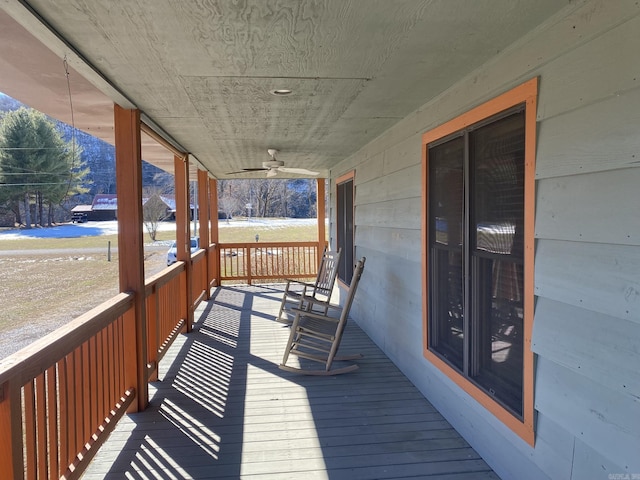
{"x":228,"y":200}
{"x":154,"y":210}
{"x":268,"y":196}
{"x":273,"y":197}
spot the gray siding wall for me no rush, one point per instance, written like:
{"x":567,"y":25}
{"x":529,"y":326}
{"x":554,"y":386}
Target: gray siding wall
{"x":587,"y":282}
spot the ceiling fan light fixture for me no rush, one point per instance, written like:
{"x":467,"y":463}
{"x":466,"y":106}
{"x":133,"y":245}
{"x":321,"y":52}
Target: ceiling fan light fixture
{"x":281,"y":92}
{"x":272,"y":164}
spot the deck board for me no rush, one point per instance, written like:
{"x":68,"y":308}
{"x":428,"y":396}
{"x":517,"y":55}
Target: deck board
{"x":223,"y":409}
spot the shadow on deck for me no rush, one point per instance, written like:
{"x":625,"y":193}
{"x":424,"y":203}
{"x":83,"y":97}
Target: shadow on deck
{"x":224,"y":410}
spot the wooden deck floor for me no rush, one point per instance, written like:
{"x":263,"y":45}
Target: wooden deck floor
{"x":224,"y":410}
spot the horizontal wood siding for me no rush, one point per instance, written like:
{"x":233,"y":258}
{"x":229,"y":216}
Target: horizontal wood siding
{"x":596,"y":69}
{"x":587,"y":265}
{"x":599,"y":277}
{"x":578,"y":207}
{"x":554,"y":448}
{"x":605,"y":420}
{"x":600,"y":347}
{"x":589,"y":463}
{"x":567,"y":146}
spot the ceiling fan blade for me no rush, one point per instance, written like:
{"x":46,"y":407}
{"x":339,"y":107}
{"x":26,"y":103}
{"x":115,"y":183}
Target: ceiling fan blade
{"x":246,"y":170}
{"x":300,"y":171}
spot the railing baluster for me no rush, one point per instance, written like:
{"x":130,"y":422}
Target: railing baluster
{"x":72,"y":392}
{"x":109,"y":359}
{"x":30,"y":455}
{"x":99,"y":391}
{"x":117,"y":366}
{"x":129,"y":351}
{"x":78,"y":413}
{"x":153,"y":314}
{"x":86,"y":392}
{"x":41,"y":426}
{"x":248,"y":263}
{"x":64,"y":417}
{"x":52,"y":423}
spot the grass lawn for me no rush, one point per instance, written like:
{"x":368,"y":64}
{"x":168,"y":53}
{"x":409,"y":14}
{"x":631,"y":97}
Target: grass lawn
{"x":53,"y":288}
{"x":288,"y":233}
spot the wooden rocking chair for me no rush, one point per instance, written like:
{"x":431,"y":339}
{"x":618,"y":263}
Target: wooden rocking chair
{"x":305,"y":295}
{"x":316,"y":336}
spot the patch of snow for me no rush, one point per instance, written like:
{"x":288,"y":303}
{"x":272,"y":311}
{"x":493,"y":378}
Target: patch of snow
{"x":91,"y":229}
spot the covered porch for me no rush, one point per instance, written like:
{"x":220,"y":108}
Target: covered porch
{"x":358,"y":91}
{"x":223,"y":409}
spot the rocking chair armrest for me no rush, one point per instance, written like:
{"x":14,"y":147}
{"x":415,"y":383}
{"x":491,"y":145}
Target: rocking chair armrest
{"x":299,"y":282}
{"x":318,"y":301}
{"x":321,"y":316}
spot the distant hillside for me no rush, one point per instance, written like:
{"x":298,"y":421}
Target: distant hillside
{"x":8,"y":104}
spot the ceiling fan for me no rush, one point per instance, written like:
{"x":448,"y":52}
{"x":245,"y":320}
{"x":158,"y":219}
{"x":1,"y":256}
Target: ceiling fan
{"x":273,"y":166}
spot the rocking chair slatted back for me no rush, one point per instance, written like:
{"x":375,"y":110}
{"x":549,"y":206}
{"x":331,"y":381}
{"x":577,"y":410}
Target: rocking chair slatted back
{"x":297,"y":293}
{"x":327,"y":273}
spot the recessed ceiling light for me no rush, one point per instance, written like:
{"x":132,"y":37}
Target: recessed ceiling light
{"x":281,"y":92}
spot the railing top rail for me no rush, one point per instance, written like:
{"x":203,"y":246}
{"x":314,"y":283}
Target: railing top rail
{"x":196,"y":256}
{"x":163,"y":277}
{"x":34,"y":359}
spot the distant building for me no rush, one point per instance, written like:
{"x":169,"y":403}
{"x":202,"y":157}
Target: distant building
{"x":7,"y":218}
{"x":105,"y":207}
{"x":170,"y":202}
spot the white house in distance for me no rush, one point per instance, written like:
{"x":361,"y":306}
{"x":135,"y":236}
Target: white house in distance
{"x":483,"y":156}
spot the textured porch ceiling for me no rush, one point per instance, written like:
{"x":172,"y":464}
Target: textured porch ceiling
{"x":203,"y":70}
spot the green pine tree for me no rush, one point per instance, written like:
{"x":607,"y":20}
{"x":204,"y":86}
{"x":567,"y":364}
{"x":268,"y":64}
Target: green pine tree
{"x":36,"y":165}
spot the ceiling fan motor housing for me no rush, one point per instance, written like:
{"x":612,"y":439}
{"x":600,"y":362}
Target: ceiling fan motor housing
{"x":272,"y":164}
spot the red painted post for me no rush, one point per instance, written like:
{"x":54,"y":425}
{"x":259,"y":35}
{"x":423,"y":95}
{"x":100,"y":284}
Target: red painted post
{"x":203,"y":224}
{"x":183,"y":237}
{"x":213,"y":211}
{"x":11,"y":457}
{"x":320,"y":207}
{"x":130,"y":241}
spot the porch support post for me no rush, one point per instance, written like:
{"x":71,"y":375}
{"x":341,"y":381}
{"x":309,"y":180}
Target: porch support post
{"x":11,"y":455}
{"x":320,"y":208}
{"x":130,"y":235}
{"x":183,"y":237}
{"x":203,"y":223}
{"x":214,"y":263}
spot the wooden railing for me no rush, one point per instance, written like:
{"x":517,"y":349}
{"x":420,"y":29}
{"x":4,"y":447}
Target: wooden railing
{"x":267,"y":261}
{"x":164,"y":318}
{"x":198,"y":277}
{"x":62,"y":395}
{"x":214,"y":261}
